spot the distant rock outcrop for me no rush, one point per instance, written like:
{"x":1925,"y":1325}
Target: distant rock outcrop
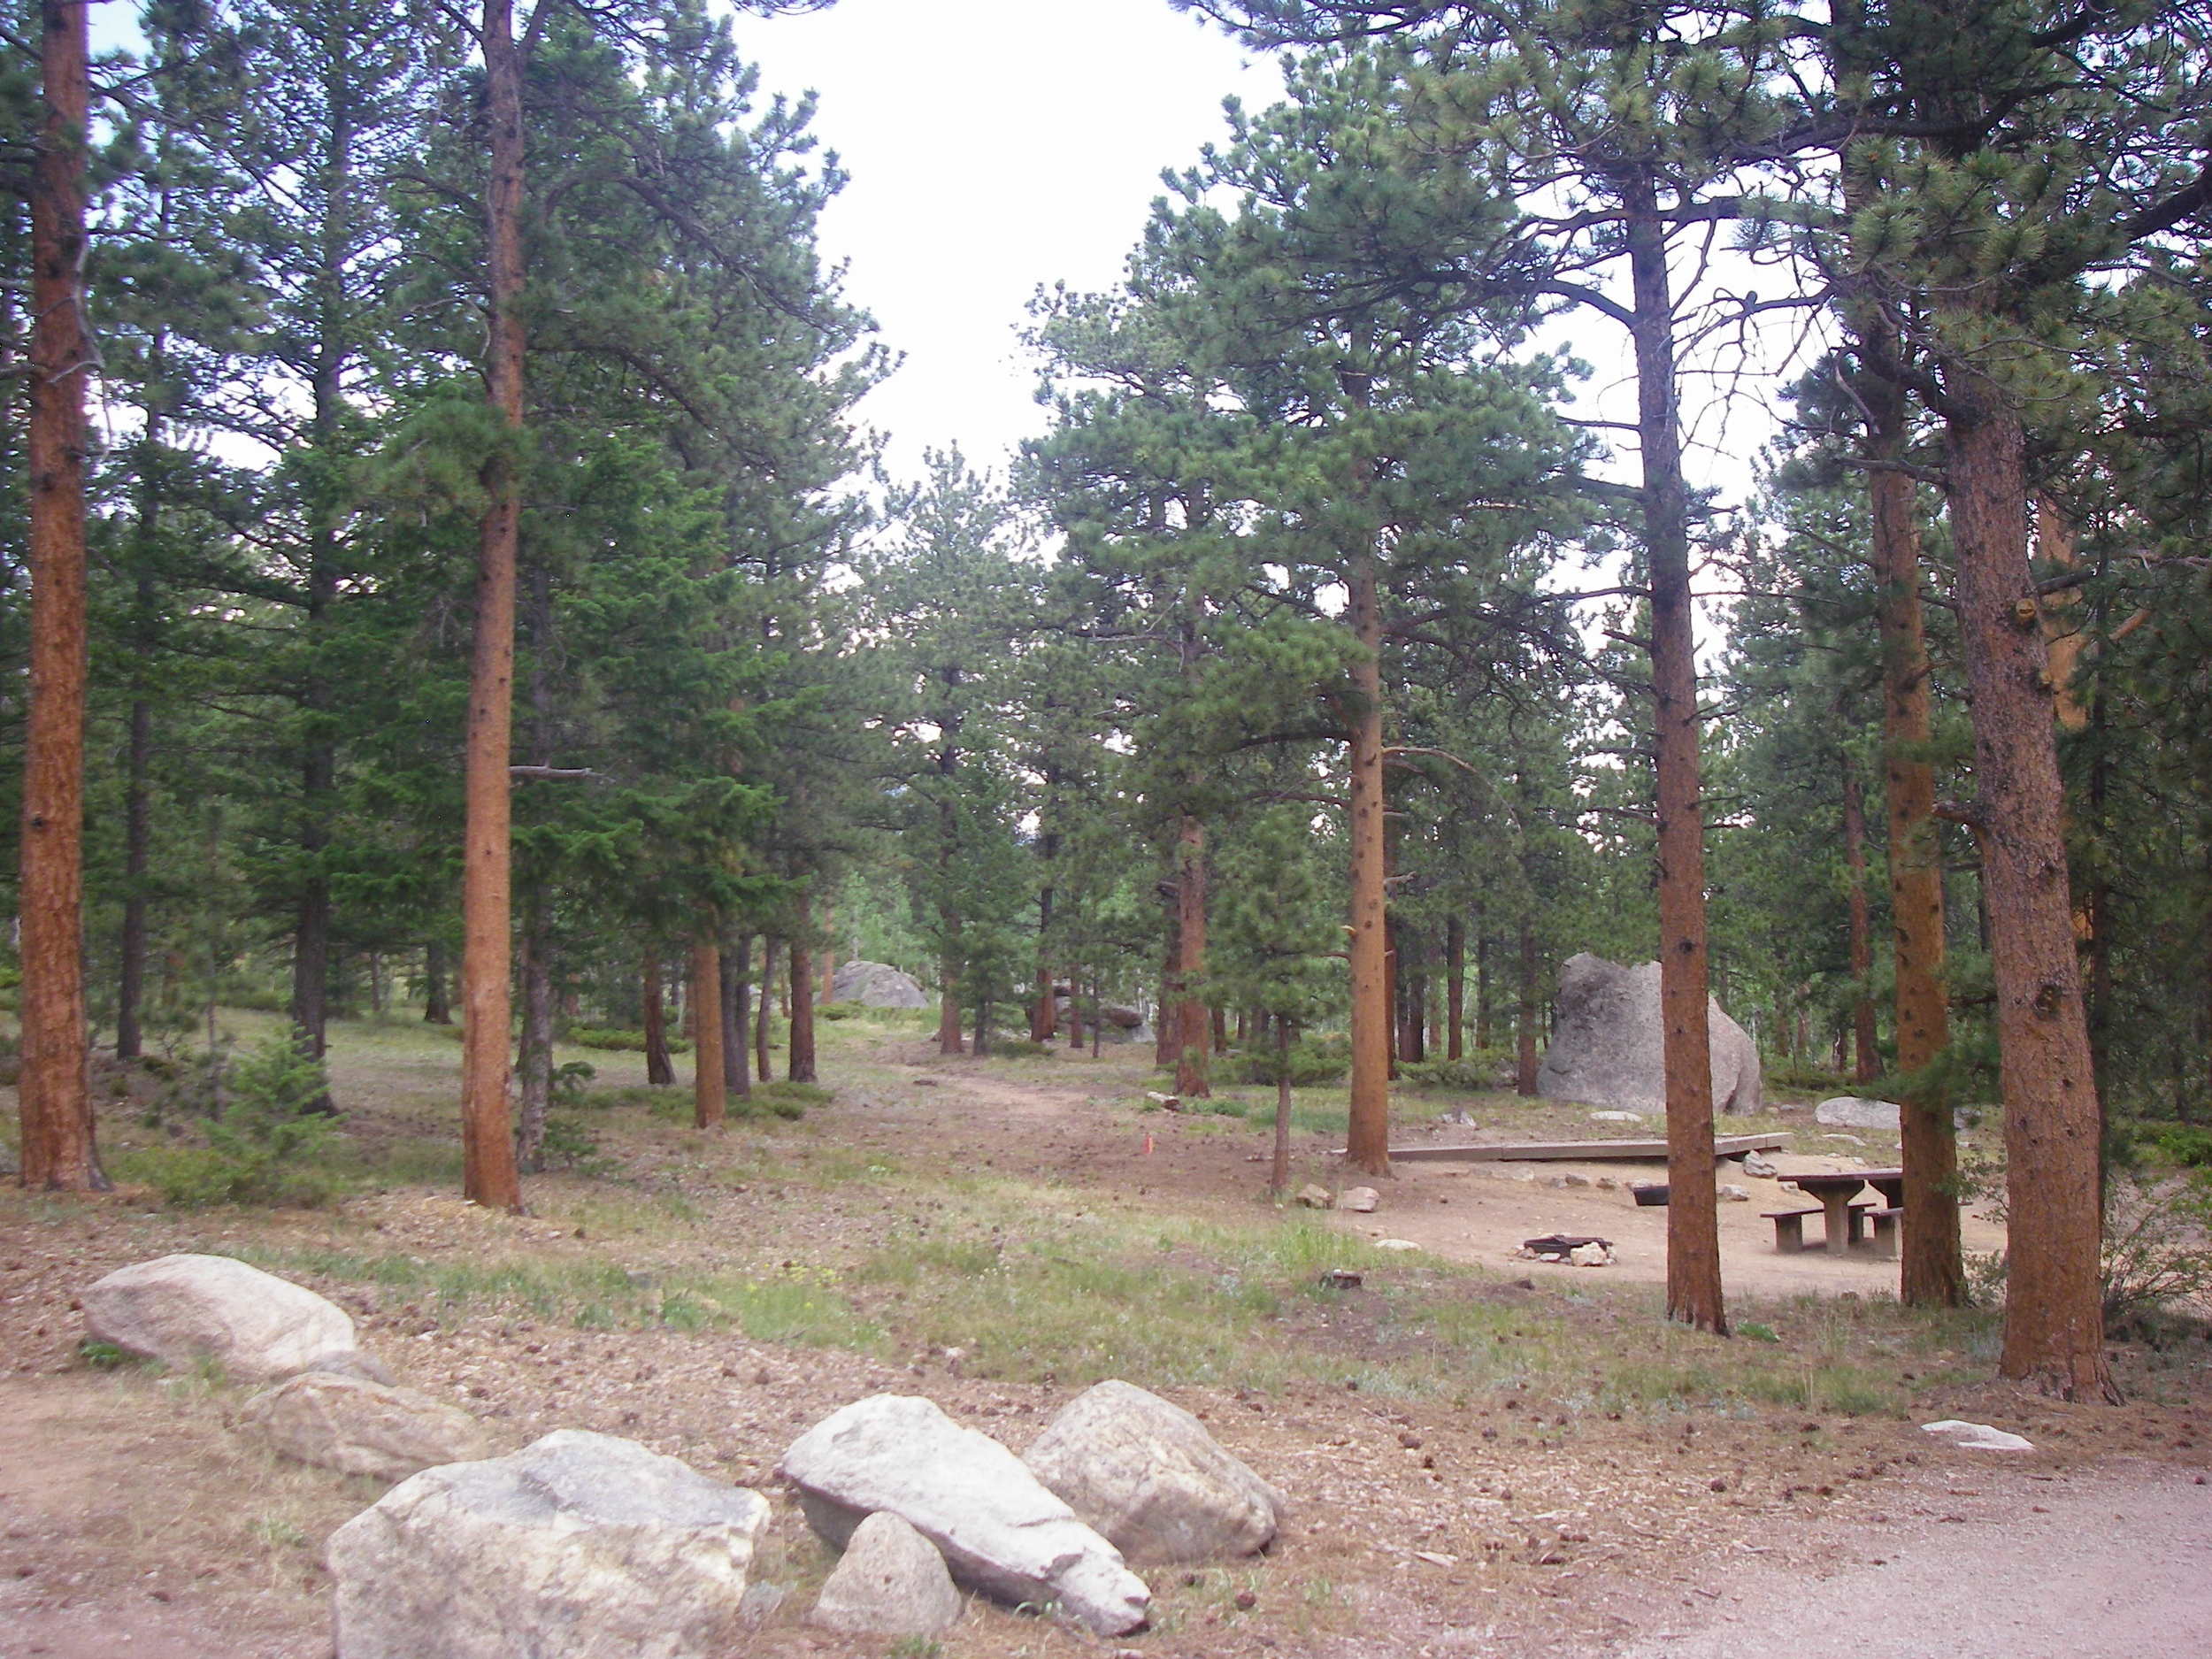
{"x":876,"y":985}
{"x":1607,"y":1050}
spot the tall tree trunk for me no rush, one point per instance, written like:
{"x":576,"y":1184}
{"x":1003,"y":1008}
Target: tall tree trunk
{"x":949,"y":980}
{"x":660,"y":1072}
{"x":761,"y":1015}
{"x":736,"y":966}
{"x":710,"y":1088}
{"x":1367,"y":1146}
{"x":799,"y":1057}
{"x":435,"y":1010}
{"x":2054,"y":1311}
{"x":1193,"y":1025}
{"x":1694,"y":1285}
{"x":489,"y":1174}
{"x":533,"y":1065}
{"x":1867,"y":1056}
{"x":56,"y":1102}
{"x":1528,"y":1011}
{"x":1455,"y":988}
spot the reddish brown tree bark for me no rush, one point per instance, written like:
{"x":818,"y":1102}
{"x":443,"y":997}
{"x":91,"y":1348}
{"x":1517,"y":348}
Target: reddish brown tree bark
{"x":1932,"y":1270}
{"x":1694,"y":1285}
{"x":660,"y":1072}
{"x":1368,"y":1143}
{"x":488,"y":1175}
{"x":710,"y":1088}
{"x":2053,"y":1305}
{"x":55,"y":1102}
{"x":436,"y":1010}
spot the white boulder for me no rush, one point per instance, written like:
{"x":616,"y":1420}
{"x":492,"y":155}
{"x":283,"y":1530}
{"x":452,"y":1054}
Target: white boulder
{"x":182,"y":1309}
{"x":1977,"y":1436}
{"x":1606,"y":1050}
{"x":1847,"y":1111}
{"x":1146,"y":1474}
{"x":892,"y":1582}
{"x":999,"y":1530}
{"x":360,"y":1427}
{"x":876,"y":985}
{"x":579,"y":1545}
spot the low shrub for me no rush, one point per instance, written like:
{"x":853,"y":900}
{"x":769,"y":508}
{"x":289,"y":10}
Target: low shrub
{"x":2183,"y":1144}
{"x":1472,"y":1073}
{"x":627,"y":1041}
{"x":1315,"y":1063}
{"x":839,"y":1011}
{"x":272,"y":1144}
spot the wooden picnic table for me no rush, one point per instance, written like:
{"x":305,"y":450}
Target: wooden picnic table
{"x":1836,"y":1189}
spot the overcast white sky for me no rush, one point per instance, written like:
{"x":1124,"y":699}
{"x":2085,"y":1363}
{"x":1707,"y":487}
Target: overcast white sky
{"x":994,"y":145}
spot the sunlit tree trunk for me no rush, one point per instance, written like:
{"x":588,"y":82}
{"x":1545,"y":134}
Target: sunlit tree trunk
{"x":57,"y":1149}
{"x":1368,"y":1144}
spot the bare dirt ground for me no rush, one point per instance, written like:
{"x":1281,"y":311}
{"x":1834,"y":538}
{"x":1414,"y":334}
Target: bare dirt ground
{"x":1512,"y":1520}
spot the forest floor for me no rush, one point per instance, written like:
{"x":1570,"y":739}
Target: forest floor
{"x":1485,"y":1457}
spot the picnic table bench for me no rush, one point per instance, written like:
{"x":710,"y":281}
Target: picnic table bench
{"x":1845,"y":1214}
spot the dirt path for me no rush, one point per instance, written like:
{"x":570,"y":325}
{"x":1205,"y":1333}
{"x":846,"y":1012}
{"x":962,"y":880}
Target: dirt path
{"x":2103,"y":1563}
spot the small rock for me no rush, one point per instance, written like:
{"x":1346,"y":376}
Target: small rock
{"x":1395,"y":1244}
{"x":1761,"y":1166}
{"x":1316,"y":1197}
{"x":1617,"y":1117}
{"x":1528,"y":1176}
{"x":1571,"y":1180}
{"x":1359,"y":1200}
{"x":1734,"y":1193}
{"x":1977,"y":1436}
{"x":1341,"y":1278}
{"x":359,"y":1427}
{"x":1607,"y":1184}
{"x":1166,"y":1103}
{"x":1459,"y":1116}
{"x":891,"y":1582}
{"x":1590,"y":1256}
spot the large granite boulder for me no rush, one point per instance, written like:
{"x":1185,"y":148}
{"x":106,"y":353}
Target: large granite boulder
{"x":1607,"y":1050}
{"x":1146,"y":1474}
{"x":892,"y":1582}
{"x":876,"y":985}
{"x":579,"y":1545}
{"x":360,"y":1427}
{"x":184,"y":1308}
{"x":999,"y":1530}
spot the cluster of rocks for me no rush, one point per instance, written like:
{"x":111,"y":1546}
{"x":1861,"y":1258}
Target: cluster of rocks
{"x":1568,"y":1250}
{"x":333,"y":1403}
{"x":597,"y":1548}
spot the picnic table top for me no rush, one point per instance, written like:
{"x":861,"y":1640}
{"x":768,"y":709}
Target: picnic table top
{"x":1840,"y":1181}
{"x":1724,"y":1146}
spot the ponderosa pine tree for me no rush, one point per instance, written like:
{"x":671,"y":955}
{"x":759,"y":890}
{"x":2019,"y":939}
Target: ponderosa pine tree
{"x":57,"y":1148}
